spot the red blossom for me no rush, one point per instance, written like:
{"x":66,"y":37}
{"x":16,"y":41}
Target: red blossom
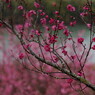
{"x":93,"y":39}
{"x":47,"y":47}
{"x":73,"y":23}
{"x":30,"y":13}
{"x":80,"y":40}
{"x":93,"y":47}
{"x":80,"y":73}
{"x":56,"y":12}
{"x":20,"y":7}
{"x":51,"y":21}
{"x":66,"y":32}
{"x":71,"y":8}
{"x":85,"y":8}
{"x":43,"y":21}
{"x":21,"y":55}
{"x":52,"y":39}
{"x":37,"y":5}
{"x":64,"y":52}
{"x":38,"y":32}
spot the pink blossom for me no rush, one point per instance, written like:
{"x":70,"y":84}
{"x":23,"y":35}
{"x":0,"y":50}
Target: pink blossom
{"x":37,"y":5}
{"x":66,"y":32}
{"x":21,"y":55}
{"x":56,"y":12}
{"x":89,"y":25}
{"x":64,"y":52}
{"x":19,"y":27}
{"x":73,"y":57}
{"x":43,"y":20}
{"x":52,"y":39}
{"x":47,"y":28}
{"x":73,"y":23}
{"x":80,"y":73}
{"x":61,"y":25}
{"x":85,"y":8}
{"x":20,"y":7}
{"x":27,"y":25}
{"x":47,"y":16}
{"x":30,"y":13}
{"x":84,"y":14}
{"x":71,"y":8}
{"x":40,"y":11}
{"x":80,"y":40}
{"x":54,"y":28}
{"x":51,"y":21}
{"x":42,"y":14}
{"x":38,"y":32}
{"x":47,"y":47}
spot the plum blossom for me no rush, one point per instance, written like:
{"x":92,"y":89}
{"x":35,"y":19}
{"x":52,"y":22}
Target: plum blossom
{"x":54,"y":27}
{"x":85,"y":8}
{"x":37,"y":5}
{"x":80,"y":73}
{"x":56,"y":12}
{"x":47,"y":47}
{"x":93,"y":39}
{"x":38,"y":32}
{"x":21,"y":55}
{"x":89,"y":25}
{"x":52,"y":39}
{"x":71,"y":8}
{"x":66,"y":32}
{"x":43,"y":21}
{"x":84,"y":14}
{"x":31,"y":12}
{"x":61,"y":25}
{"x":64,"y":52}
{"x":20,"y":7}
{"x":93,"y":47}
{"x":43,"y":13}
{"x":80,"y":40}
{"x":46,"y":16}
{"x":51,"y":21}
{"x":73,"y":23}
